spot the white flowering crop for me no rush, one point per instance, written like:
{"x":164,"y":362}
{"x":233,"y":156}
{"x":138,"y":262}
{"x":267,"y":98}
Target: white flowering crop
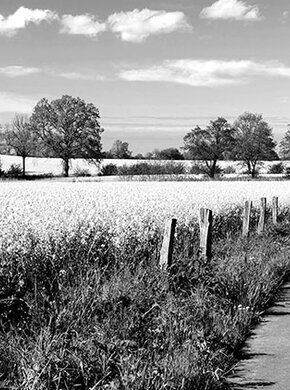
{"x":123,"y":208}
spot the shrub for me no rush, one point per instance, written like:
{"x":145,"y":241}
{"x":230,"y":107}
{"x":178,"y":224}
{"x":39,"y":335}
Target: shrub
{"x":2,"y":172}
{"x":15,"y":170}
{"x":157,"y":168}
{"x":196,"y":169}
{"x":229,"y":169}
{"x":276,"y":168}
{"x":200,"y":168}
{"x":109,"y":170}
{"x":81,"y":172}
{"x":287,"y":173}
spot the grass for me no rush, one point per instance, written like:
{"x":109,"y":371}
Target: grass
{"x":85,"y":314}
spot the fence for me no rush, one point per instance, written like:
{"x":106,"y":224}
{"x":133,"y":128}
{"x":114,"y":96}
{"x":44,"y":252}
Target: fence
{"x":205,"y":227}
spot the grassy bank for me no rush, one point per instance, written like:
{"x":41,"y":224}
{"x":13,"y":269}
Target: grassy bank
{"x":80,"y":312}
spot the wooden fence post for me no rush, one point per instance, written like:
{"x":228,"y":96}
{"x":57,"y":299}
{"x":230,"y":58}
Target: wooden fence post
{"x":167,"y":244}
{"x":262,"y":218}
{"x":246,"y":219}
{"x":275,"y":210}
{"x":205,"y":226}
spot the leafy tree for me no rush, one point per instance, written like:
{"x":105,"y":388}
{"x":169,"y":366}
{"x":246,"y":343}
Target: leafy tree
{"x":139,"y":156}
{"x":254,"y":141}
{"x":120,"y":149}
{"x":69,"y":127}
{"x":285,"y":145}
{"x":169,"y":154}
{"x":210,"y":144}
{"x":19,"y":137}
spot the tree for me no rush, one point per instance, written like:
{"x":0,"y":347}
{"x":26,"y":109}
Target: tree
{"x":285,"y":145}
{"x":254,"y":141}
{"x":19,"y":136}
{"x":169,"y":154}
{"x":69,"y":127}
{"x":210,"y":144}
{"x":120,"y":149}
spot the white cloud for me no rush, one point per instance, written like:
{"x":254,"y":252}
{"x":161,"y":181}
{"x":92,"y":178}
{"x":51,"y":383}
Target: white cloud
{"x":82,"y":25}
{"x":206,"y":73}
{"x":18,"y":71}
{"x":136,"y":26}
{"x":10,"y":102}
{"x":231,"y":9}
{"x":10,"y":25}
{"x":80,"y":76}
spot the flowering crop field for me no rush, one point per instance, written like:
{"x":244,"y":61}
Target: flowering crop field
{"x":124,"y":208}
{"x":81,"y":292}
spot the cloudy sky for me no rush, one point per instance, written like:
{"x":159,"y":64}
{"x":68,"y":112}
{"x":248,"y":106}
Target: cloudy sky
{"x":154,"y":68}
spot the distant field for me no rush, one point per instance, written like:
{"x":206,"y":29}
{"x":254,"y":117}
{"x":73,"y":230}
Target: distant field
{"x":36,"y":165}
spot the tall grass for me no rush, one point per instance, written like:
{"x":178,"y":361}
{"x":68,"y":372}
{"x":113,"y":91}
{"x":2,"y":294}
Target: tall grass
{"x":86,"y":314}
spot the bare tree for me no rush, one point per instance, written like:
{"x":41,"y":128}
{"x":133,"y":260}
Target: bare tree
{"x":19,"y":137}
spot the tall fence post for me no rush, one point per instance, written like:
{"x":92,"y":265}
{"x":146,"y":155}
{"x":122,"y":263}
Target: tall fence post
{"x":275,"y":210}
{"x":246,"y":218}
{"x":167,"y":244}
{"x":262,"y":218}
{"x":205,"y":225}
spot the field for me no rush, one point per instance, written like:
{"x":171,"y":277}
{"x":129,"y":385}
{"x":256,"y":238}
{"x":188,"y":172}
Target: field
{"x":84,"y":304}
{"x":125,"y":207}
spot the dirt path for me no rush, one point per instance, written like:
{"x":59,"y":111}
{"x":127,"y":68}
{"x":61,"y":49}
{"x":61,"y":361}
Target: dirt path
{"x":266,"y":355}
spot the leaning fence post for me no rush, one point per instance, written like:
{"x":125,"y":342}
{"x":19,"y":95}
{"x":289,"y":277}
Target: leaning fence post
{"x":167,"y":244}
{"x":262,"y":219}
{"x":246,"y":219}
{"x":205,"y":226}
{"x":275,"y":210}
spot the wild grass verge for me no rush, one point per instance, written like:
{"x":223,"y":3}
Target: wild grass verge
{"x":82,"y":313}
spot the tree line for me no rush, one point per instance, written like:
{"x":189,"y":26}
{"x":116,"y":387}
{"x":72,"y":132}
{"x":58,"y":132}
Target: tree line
{"x":69,"y":128}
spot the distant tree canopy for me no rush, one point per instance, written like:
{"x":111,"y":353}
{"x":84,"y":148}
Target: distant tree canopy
{"x":210,"y":144}
{"x":285,"y":145}
{"x":169,"y":154}
{"x":19,"y":137}
{"x":253,"y":141}
{"x":68,"y":127}
{"x":120,"y":150}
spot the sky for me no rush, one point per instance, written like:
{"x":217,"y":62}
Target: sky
{"x":154,"y":68}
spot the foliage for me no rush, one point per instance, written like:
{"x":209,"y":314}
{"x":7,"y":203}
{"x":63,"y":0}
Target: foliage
{"x":230,"y":169}
{"x":19,"y":137}
{"x":15,"y":171}
{"x":210,"y":145}
{"x":83,"y":312}
{"x":253,"y":141}
{"x":109,"y":170}
{"x":287,"y":173}
{"x":2,"y":172}
{"x":276,"y":168}
{"x":69,"y":127}
{"x":285,"y":145}
{"x":200,"y":168}
{"x":120,"y":150}
{"x":81,"y":172}
{"x":168,"y":154}
{"x":156,"y":168}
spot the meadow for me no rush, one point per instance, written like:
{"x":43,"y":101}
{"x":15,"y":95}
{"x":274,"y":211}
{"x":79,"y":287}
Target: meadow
{"x":85,"y":305}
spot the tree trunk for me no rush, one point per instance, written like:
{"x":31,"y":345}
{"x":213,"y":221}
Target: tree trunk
{"x":249,"y":167}
{"x":66,"y":167}
{"x":23,"y":166}
{"x":253,"y":172}
{"x":213,"y":169}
